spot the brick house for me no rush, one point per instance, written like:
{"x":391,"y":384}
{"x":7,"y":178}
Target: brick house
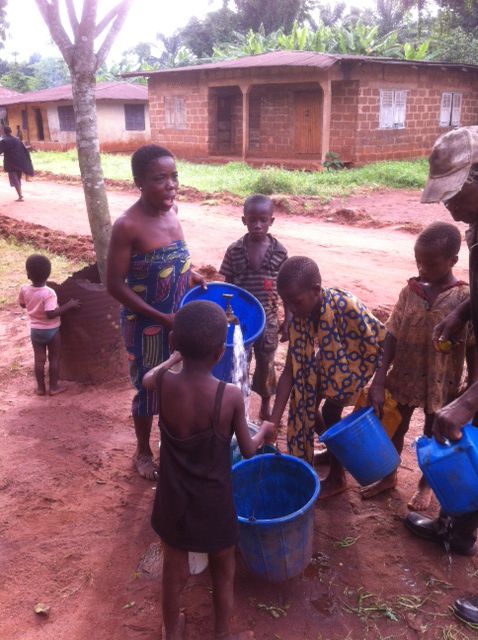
{"x":292,"y":107}
{"x":46,"y":119}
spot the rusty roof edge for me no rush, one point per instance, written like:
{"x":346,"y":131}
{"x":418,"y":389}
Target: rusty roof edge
{"x":334,"y":58}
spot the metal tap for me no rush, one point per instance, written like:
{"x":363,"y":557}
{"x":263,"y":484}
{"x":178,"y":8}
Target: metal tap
{"x":230,"y":315}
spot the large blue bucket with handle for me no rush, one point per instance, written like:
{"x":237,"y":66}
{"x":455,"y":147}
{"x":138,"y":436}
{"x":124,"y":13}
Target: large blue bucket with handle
{"x":451,"y":470}
{"x":236,"y":455}
{"x":246,"y":308}
{"x":274,"y":496}
{"x":362,"y":446}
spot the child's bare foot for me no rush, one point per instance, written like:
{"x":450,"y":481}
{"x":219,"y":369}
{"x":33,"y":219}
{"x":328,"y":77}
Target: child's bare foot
{"x":20,"y":199}
{"x":321,"y":457}
{"x":332,"y":486}
{"x":420,"y":501}
{"x":178,"y":632}
{"x":389,"y":482}
{"x":40,"y":392}
{"x":145,"y":466}
{"x":56,"y":390}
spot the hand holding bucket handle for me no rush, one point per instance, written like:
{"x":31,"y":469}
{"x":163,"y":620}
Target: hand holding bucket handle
{"x":450,"y":420}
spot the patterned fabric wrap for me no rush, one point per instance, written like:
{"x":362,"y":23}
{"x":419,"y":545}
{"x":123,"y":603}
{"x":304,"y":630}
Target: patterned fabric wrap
{"x":333,"y":357}
{"x":161,"y":278}
{"x":420,"y":375}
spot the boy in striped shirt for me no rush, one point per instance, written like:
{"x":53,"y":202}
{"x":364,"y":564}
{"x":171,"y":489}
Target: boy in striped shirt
{"x":253,"y":262}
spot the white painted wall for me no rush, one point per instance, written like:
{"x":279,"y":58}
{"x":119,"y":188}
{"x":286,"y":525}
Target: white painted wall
{"x":111,"y":124}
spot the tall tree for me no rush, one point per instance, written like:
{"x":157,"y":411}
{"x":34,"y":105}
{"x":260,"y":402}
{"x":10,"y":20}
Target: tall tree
{"x":83,"y":62}
{"x":462,"y":13}
{"x":272,"y":14}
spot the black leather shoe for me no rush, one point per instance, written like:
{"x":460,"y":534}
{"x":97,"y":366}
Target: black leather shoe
{"x":436,"y":531}
{"x":467,"y":609}
{"x":423,"y":527}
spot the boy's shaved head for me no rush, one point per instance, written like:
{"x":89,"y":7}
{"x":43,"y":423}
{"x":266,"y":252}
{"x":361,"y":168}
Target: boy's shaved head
{"x":199,"y":330}
{"x":299,"y":272}
{"x":144,"y":155}
{"x":442,"y":237}
{"x":38,"y":267}
{"x":258,"y":200}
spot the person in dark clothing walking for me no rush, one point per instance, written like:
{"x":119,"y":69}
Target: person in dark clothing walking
{"x":16,"y":160}
{"x":453,"y":180}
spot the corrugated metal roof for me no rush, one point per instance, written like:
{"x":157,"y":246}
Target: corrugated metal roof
{"x":6,"y":94}
{"x":302,"y":59}
{"x":104,"y":91}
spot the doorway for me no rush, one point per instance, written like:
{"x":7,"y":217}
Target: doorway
{"x":39,"y":124}
{"x":308,"y":106}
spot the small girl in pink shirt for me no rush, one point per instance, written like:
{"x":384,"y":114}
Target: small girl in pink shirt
{"x":42,"y":307}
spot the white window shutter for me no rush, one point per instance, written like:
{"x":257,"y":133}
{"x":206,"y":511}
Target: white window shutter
{"x":167,"y":111}
{"x":456,"y":109}
{"x":445,"y":109}
{"x":399,"y":110}
{"x":386,"y":109}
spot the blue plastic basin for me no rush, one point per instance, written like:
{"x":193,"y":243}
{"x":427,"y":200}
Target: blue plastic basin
{"x":452,"y":471}
{"x":362,"y":446}
{"x":245,"y":306}
{"x":236,"y":455}
{"x":274,"y":496}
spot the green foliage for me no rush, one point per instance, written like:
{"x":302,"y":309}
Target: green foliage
{"x":271,"y":14}
{"x":200,"y":36}
{"x":332,"y":161}
{"x":456,"y":45}
{"x":461,"y":13}
{"x":416,"y":52}
{"x":359,"y":39}
{"x":242,"y":180}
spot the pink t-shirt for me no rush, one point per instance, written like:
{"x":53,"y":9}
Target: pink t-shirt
{"x":37,"y":301}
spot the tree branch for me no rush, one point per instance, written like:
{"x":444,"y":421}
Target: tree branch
{"x":51,"y":15}
{"x":121,"y":13}
{"x":72,"y":16}
{"x":102,"y":24}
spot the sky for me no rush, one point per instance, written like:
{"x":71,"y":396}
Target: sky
{"x":28,"y":33}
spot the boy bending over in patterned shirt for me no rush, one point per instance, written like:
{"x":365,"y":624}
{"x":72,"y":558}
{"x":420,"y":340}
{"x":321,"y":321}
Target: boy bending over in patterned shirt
{"x":421,"y":375}
{"x":335,"y":346}
{"x":253,"y":263}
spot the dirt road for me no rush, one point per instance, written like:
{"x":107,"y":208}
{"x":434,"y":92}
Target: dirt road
{"x":74,"y":516}
{"x":373,"y":263}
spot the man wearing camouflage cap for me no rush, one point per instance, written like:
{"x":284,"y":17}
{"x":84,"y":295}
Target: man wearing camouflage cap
{"x":453,"y":180}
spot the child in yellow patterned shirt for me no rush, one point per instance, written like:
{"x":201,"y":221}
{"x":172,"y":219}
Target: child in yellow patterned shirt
{"x":417,"y":372}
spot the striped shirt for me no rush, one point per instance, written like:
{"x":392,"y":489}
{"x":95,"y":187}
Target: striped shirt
{"x":262,"y":283}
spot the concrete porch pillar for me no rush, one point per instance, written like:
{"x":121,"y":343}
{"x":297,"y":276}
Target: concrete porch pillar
{"x":246,"y":92}
{"x":326,"y":86}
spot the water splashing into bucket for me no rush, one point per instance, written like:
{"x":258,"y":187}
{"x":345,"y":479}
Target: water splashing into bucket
{"x":240,"y":366}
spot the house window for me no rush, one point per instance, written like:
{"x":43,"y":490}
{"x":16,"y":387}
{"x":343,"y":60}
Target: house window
{"x":66,"y":117}
{"x":450,"y":109}
{"x":174,"y":112}
{"x":134,"y":117}
{"x":393,"y":105}
{"x":24,"y":119}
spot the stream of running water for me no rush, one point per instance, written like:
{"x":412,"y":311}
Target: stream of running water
{"x":240,"y":366}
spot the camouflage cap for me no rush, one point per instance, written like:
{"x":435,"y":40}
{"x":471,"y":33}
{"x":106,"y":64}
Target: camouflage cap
{"x":451,"y":159}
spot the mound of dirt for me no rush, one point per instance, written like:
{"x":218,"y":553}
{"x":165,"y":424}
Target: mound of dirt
{"x":75,"y":247}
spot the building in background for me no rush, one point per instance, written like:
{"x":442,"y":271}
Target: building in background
{"x":292,"y":108}
{"x":46,"y":118}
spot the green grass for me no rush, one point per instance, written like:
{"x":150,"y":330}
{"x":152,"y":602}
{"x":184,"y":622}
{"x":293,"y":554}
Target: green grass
{"x":242,"y":180}
{"x":12,"y":268}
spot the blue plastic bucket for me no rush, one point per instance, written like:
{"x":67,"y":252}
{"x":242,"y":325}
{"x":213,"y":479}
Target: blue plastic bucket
{"x":362,"y":446}
{"x":452,"y":471}
{"x":245,"y":306}
{"x":236,"y":455}
{"x":274,"y":497}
